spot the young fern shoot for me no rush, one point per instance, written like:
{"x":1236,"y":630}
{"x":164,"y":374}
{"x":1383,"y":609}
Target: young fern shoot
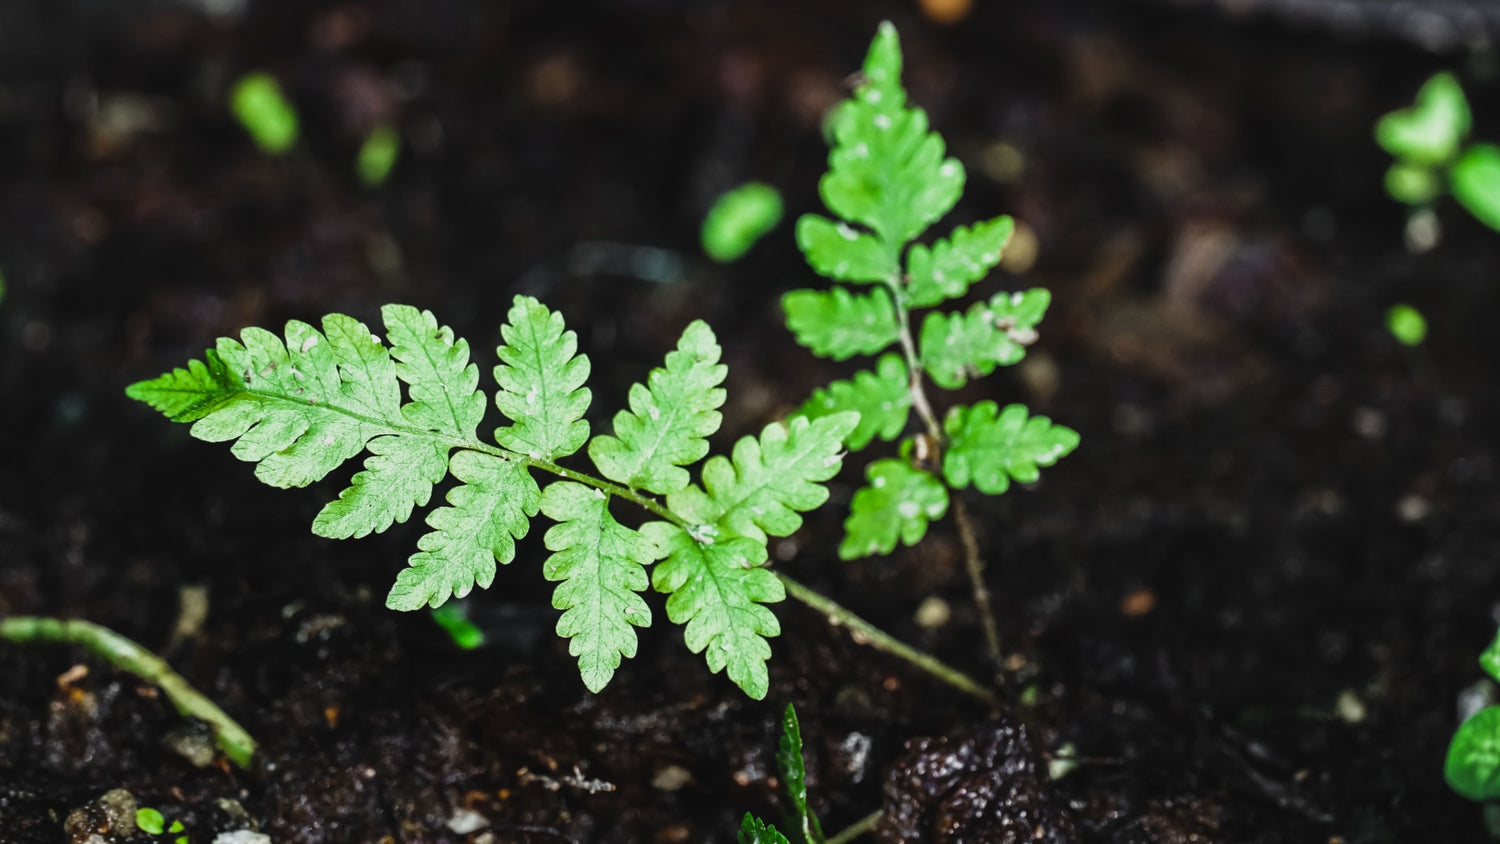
{"x":888,"y":180}
{"x":300,"y":407}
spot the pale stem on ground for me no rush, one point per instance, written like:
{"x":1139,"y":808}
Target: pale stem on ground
{"x":858,"y":828}
{"x":128,"y":656}
{"x":882,"y":641}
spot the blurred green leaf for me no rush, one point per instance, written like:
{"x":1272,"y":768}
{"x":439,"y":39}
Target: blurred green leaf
{"x":1475,"y":182}
{"x":738,"y":219}
{"x":1429,"y":131}
{"x":257,"y":101}
{"x":377,"y":156}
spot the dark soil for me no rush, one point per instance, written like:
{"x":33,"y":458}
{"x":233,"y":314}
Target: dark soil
{"x":1249,"y":601}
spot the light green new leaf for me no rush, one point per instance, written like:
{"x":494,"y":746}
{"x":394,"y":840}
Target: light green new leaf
{"x":838,"y":324}
{"x":753,"y":830}
{"x":667,"y":423}
{"x":838,"y":251}
{"x":738,"y":219}
{"x":484,"y":516}
{"x":770,"y":479}
{"x":718,"y":590}
{"x":946,"y":270}
{"x":1472,"y":767}
{"x":886,"y":170}
{"x":600,"y":564}
{"x":794,"y":774}
{"x":444,"y":386}
{"x":1489,"y":660}
{"x":541,"y":384}
{"x":1475,"y":182}
{"x":1429,"y":131}
{"x":956,"y":346}
{"x":896,"y":504}
{"x":990,"y":447}
{"x":882,"y":398}
{"x":398,"y":475}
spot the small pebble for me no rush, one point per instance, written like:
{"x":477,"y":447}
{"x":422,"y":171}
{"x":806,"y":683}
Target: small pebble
{"x":1349,"y":707}
{"x":242,"y":836}
{"x":465,"y":821}
{"x":671,"y":778}
{"x":933,"y":613}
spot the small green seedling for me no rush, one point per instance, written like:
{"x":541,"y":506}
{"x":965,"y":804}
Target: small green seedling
{"x":1428,"y":140}
{"x":453,"y":618}
{"x":793,"y":770}
{"x":153,"y":822}
{"x":738,"y":219}
{"x":1406,"y":324}
{"x":888,"y":180}
{"x":300,"y":407}
{"x":377,"y":156}
{"x":258,"y":103}
{"x":1473,"y":765}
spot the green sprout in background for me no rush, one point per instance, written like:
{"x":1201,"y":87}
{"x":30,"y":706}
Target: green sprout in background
{"x":738,"y":219}
{"x":261,"y":107}
{"x":453,"y":617}
{"x":154,"y":822}
{"x":377,"y":156}
{"x":1428,"y":141}
{"x":1406,"y":324}
{"x":1473,"y":765}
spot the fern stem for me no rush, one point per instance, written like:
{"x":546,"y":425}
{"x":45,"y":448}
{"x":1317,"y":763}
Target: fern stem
{"x":867,"y":633}
{"x":974,"y":563}
{"x":858,"y":828}
{"x":130,"y":657}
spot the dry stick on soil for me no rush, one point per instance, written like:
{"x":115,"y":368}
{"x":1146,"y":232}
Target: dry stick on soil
{"x":868,"y":634}
{"x":858,"y":828}
{"x":126,"y":655}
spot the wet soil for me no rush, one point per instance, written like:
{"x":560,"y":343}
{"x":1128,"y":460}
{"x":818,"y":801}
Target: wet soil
{"x":1248,"y":602}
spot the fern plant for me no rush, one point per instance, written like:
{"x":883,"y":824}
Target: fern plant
{"x":888,"y":180}
{"x":300,"y":407}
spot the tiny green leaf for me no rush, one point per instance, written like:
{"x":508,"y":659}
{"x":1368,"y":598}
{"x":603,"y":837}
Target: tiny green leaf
{"x":882,"y":398}
{"x":1473,"y":764}
{"x":541,"y":384}
{"x":1412,"y":184}
{"x":398,"y":475}
{"x":150,"y":820}
{"x":770,"y":479}
{"x":478,"y":528}
{"x":1406,"y":324}
{"x":1475,"y":181}
{"x":1430,"y":131}
{"x":601,"y":566}
{"x":738,"y":219}
{"x":377,"y":156}
{"x":838,"y":251}
{"x":1489,"y":660}
{"x":838,"y":324}
{"x":753,"y":830}
{"x":990,"y":448}
{"x":896,"y":504}
{"x":718,"y":590}
{"x":794,"y":773}
{"x":668,"y":421}
{"x":259,"y":105}
{"x":453,"y":618}
{"x":946,"y":270}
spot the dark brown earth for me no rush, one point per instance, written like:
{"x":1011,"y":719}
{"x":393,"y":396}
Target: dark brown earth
{"x":1249,"y":601}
